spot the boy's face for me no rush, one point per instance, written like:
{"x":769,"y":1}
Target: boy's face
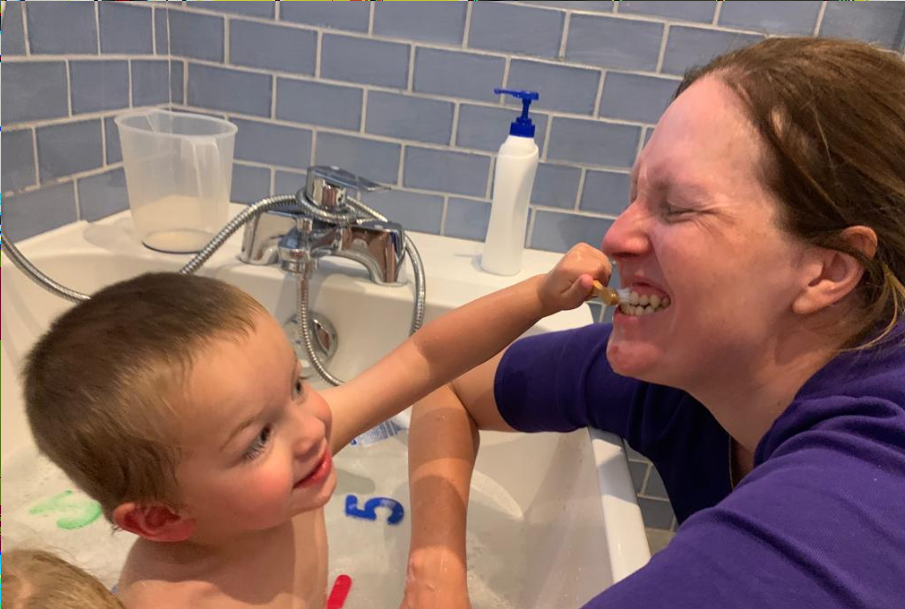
{"x":256,"y":442}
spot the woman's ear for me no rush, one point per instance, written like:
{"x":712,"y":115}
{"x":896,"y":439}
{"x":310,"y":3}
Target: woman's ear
{"x":835,"y":274}
{"x":154,"y":522}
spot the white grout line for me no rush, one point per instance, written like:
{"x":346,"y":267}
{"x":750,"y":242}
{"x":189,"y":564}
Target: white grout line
{"x":419,"y":94}
{"x":318,"y":54}
{"x":276,"y":15}
{"x":581,"y":181}
{"x":455,"y":124}
{"x":530,"y":234}
{"x":75,"y":196}
{"x":364,"y":111}
{"x":716,"y":13}
{"x":273,"y":179}
{"x":25,"y":29}
{"x":226,"y":29}
{"x":103,"y":143}
{"x":565,"y":35}
{"x":488,"y":190}
{"x":505,"y":85}
{"x":154,"y":32}
{"x":599,"y":96}
{"x":64,"y":180}
{"x":467,"y":31}
{"x":34,"y":141}
{"x":68,"y":89}
{"x":549,"y":128}
{"x":97,"y":23}
{"x":313,"y":147}
{"x":662,"y":53}
{"x":443,"y":214}
{"x":400,"y":177}
{"x":273,"y":97}
{"x":411,"y":74}
{"x":820,"y":15}
{"x":370,"y":19}
{"x":185,"y":81}
{"x":129,"y":79}
{"x":439,"y":45}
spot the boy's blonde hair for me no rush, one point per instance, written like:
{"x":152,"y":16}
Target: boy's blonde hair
{"x":105,"y":385}
{"x":36,"y":579}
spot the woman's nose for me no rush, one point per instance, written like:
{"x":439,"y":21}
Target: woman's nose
{"x":628,"y":236}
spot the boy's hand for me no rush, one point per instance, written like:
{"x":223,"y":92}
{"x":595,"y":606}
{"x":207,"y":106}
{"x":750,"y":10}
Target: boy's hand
{"x":570,"y":282}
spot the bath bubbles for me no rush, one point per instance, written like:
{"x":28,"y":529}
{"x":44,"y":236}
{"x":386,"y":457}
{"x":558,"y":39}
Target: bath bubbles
{"x":43,"y":509}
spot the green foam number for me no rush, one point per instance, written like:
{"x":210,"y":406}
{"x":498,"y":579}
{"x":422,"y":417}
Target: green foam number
{"x":74,"y":512}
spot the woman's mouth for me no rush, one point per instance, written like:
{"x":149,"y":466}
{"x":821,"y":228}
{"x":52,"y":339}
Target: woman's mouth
{"x":645,"y":300}
{"x":320,"y":472}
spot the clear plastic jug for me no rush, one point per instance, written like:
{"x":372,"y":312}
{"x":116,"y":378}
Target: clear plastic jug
{"x":178,"y":175}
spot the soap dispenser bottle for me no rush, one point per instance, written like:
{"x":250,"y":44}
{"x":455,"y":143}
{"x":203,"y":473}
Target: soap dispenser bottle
{"x":513,"y":179}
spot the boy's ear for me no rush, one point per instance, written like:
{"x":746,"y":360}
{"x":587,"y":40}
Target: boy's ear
{"x":153,"y":522}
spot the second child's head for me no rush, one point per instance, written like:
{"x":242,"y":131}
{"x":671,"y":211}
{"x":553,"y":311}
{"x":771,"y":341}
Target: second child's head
{"x":177,"y":403}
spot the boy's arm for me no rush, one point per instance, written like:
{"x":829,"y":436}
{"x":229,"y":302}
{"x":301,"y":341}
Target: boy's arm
{"x":443,"y":445}
{"x":458,"y":341}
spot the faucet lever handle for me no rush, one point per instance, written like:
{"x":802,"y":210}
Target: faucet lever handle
{"x":326,"y":185}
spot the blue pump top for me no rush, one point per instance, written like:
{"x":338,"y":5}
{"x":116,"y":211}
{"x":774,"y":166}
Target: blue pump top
{"x":522,"y":126}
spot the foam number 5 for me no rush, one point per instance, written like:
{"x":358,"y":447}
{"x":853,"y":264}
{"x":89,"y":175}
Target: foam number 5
{"x":369,"y":512}
{"x":75,"y":512}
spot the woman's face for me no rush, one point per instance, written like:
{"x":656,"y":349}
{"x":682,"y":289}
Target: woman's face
{"x":702,"y":233}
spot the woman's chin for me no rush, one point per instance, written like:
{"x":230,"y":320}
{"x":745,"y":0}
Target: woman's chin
{"x":632,"y":359}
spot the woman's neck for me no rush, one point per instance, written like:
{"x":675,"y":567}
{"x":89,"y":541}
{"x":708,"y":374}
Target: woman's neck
{"x":756,"y":387}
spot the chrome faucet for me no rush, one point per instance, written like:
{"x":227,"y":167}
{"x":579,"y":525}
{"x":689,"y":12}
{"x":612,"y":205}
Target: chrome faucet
{"x":326,"y":220}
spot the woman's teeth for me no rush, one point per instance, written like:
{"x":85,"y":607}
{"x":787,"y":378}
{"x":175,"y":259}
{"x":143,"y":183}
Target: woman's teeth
{"x":644,"y":304}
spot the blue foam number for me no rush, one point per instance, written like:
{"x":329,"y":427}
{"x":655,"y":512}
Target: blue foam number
{"x":369,"y":512}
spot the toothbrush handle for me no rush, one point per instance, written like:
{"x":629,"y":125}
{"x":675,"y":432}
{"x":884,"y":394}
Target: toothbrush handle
{"x":607,"y":295}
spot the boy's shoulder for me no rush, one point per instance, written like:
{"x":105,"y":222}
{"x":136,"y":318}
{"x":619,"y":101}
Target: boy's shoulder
{"x":288,"y":573}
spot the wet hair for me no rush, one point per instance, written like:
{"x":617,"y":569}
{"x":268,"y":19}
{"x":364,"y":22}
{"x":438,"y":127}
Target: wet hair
{"x":832,"y":116}
{"x":104,"y":387}
{"x":37,"y":579}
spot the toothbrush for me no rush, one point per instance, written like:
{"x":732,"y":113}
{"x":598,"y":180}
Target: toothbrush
{"x":611,"y":297}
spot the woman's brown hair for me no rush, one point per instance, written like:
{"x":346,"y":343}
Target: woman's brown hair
{"x":832,"y":115}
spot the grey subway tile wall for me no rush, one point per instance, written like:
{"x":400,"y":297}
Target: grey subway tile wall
{"x":98,"y":85}
{"x":485,"y":127}
{"x":18,"y":148}
{"x":69,"y":148}
{"x":272,"y":47}
{"x":14,"y":38}
{"x":438,"y":72}
{"x":123,"y":30}
{"x":103,"y":194}
{"x":390,"y":91}
{"x":317,"y":103}
{"x":270,"y":144}
{"x":390,"y":114}
{"x":150,"y":82}
{"x":443,"y":23}
{"x":567,"y":89}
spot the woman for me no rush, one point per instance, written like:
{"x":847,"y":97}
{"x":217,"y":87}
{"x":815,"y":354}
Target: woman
{"x":766,"y":230}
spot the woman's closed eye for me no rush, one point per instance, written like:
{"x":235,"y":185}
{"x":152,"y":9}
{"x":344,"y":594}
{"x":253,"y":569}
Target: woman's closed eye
{"x":671,"y":212}
{"x":258,"y":444}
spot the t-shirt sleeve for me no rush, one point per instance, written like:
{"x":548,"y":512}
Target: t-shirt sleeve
{"x":562,"y":381}
{"x":552,"y":381}
{"x":817,"y":527}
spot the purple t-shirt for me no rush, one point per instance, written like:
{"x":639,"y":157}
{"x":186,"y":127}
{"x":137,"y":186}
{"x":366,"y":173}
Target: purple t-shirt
{"x":818,"y":523}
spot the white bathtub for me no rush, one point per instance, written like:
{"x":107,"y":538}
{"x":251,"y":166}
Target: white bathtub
{"x":553,"y":519}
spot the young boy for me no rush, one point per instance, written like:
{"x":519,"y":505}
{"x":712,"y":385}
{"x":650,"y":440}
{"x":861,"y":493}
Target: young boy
{"x":176,"y":402}
{"x":37,"y":579}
